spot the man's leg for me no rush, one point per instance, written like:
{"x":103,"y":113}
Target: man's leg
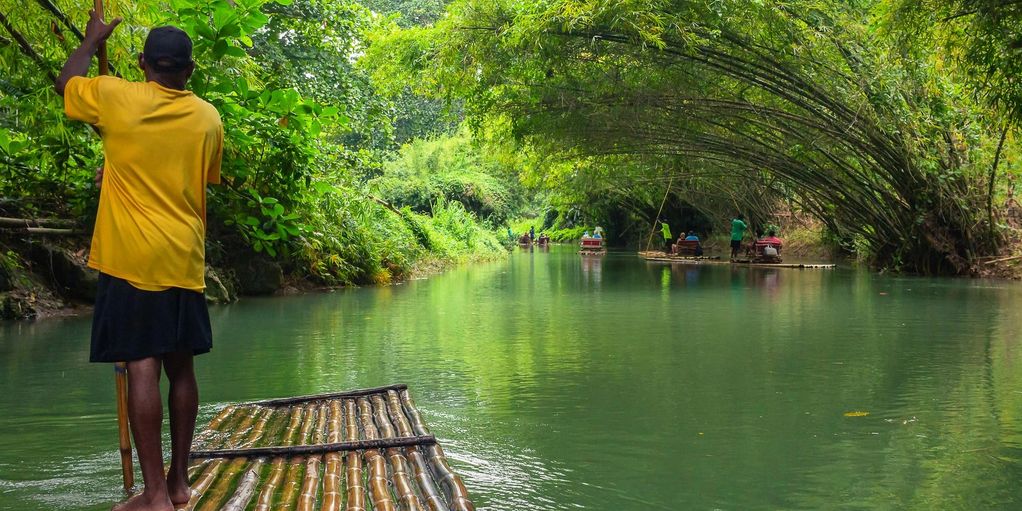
{"x":145,"y":412}
{"x":184,"y":406}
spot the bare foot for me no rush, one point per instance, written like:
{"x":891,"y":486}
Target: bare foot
{"x":179,"y":491}
{"x":143,"y":502}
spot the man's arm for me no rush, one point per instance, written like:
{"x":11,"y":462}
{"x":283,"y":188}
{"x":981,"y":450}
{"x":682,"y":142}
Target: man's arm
{"x":96,"y":32}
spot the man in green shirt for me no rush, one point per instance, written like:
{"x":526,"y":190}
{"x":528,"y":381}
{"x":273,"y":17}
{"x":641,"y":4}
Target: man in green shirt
{"x":737,"y":231}
{"x":666,"y":230}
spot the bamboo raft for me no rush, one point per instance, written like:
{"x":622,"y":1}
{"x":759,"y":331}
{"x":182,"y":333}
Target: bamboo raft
{"x":660,"y":257}
{"x":351,"y":451}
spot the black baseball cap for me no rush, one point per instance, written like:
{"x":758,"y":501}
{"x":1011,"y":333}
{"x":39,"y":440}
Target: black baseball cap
{"x":168,"y":49}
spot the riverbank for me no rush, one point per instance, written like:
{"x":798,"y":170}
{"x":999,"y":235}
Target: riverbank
{"x":43,"y":277}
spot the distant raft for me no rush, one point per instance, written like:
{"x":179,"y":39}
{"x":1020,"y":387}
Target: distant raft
{"x":661,"y":257}
{"x":350,"y":451}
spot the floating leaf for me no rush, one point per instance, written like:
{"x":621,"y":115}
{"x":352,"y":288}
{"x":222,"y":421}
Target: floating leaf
{"x":856,"y":414}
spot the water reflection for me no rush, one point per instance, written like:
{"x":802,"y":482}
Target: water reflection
{"x":562,"y":382}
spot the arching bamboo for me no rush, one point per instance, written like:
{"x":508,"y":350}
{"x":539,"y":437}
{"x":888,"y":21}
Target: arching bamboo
{"x":457,"y":494}
{"x":353,"y":462}
{"x":399,"y":465}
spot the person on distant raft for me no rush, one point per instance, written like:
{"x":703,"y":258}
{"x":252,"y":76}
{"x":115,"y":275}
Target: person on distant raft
{"x":699,"y":246}
{"x":737,"y":232}
{"x":532,"y":232}
{"x":162,"y":145}
{"x":666,"y":231}
{"x":774,"y":244}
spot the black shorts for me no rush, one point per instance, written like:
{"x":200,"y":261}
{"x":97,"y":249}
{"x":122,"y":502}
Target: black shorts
{"x":132,"y":324}
{"x":736,"y":244}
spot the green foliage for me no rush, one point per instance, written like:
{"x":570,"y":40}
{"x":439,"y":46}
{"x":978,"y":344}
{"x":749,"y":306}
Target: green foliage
{"x":451,"y":169}
{"x":741,"y":105}
{"x":303,"y":126}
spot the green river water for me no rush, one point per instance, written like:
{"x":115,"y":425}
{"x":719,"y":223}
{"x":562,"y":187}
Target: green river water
{"x":556,"y":382}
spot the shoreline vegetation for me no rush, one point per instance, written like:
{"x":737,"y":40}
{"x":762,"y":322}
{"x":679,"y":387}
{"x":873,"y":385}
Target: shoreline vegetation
{"x":368,"y":140}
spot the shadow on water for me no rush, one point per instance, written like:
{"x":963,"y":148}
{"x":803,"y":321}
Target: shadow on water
{"x":561,"y":382}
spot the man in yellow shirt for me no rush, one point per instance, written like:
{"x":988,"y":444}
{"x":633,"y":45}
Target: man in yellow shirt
{"x":162,"y":145}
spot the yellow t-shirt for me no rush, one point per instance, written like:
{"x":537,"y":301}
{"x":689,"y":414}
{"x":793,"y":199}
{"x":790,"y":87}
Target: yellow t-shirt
{"x":161,"y":147}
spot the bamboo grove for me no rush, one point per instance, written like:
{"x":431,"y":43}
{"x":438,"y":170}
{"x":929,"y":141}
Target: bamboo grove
{"x":744,"y":106}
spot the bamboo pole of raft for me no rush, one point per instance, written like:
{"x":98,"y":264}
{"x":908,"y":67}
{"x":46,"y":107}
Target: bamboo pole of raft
{"x":353,"y":462}
{"x":213,"y":428}
{"x":423,"y":475}
{"x":378,"y":482}
{"x":265,"y":500}
{"x":292,"y":480}
{"x":310,"y":486}
{"x":399,"y":465}
{"x":457,"y":494}
{"x":327,"y":396}
{"x":315,"y":449}
{"x":246,"y":488}
{"x":334,"y":465}
{"x":216,"y":495}
{"x":212,"y":471}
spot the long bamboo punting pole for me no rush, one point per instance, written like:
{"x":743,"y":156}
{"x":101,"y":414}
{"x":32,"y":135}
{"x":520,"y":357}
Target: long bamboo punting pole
{"x":378,"y":482}
{"x":423,"y":475}
{"x":457,"y":494}
{"x":334,"y":465}
{"x":265,"y":500}
{"x":310,"y":486}
{"x":353,"y":462}
{"x":124,"y":436}
{"x":120,"y":368}
{"x":399,"y":465}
